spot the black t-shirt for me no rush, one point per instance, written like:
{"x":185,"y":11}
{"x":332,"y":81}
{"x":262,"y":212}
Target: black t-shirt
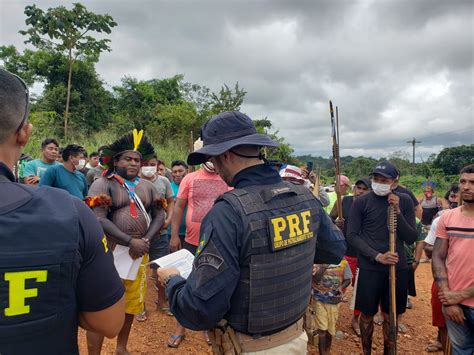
{"x":368,"y":229}
{"x":346,"y":208}
{"x":403,"y":190}
{"x":98,"y":284}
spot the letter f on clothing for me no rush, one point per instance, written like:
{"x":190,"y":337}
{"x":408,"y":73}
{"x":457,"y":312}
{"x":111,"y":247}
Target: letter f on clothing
{"x":18,"y":293}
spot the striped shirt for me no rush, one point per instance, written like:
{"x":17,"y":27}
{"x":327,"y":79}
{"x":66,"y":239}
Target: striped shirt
{"x":459,"y":231}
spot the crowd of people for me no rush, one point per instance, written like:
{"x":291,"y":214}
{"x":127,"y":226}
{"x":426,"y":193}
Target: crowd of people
{"x":266,"y":239}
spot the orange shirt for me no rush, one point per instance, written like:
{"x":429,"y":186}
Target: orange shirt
{"x":200,"y":189}
{"x":459,"y":230}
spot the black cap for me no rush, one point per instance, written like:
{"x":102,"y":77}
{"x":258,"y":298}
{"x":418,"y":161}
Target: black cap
{"x":226,"y":131}
{"x":386,"y":169}
{"x":365,"y":182}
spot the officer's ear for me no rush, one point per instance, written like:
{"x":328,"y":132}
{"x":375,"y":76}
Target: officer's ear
{"x":24,"y":134}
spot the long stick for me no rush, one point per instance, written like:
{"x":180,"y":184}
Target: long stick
{"x":191,"y":149}
{"x":392,"y":226}
{"x":335,"y":153}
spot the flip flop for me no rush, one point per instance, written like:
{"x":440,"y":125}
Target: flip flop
{"x":166,"y":310}
{"x":141,"y":317}
{"x":356,"y":330}
{"x":434,"y":346}
{"x":175,"y":340}
{"x":402,"y":328}
{"x":206,"y":338}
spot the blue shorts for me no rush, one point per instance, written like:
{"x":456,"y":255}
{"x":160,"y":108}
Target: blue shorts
{"x":159,"y":247}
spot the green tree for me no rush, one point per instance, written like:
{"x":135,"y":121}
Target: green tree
{"x":137,"y":101}
{"x":452,"y":160}
{"x":68,"y":32}
{"x":227,"y":99}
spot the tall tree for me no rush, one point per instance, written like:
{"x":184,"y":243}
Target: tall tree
{"x":452,"y":160}
{"x":68,"y":32}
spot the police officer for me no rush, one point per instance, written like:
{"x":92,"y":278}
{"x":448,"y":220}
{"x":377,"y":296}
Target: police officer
{"x":55,"y":270}
{"x":253,"y":265}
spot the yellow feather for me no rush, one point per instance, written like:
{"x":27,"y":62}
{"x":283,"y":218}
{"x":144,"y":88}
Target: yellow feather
{"x":137,"y":138}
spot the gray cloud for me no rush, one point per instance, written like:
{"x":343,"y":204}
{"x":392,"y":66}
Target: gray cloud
{"x":396,"y":69}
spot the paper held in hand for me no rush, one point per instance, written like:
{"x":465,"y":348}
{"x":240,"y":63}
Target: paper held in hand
{"x":127,"y":268}
{"x":181,"y":259}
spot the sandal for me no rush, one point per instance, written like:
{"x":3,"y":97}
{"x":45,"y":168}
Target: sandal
{"x":356,"y":329}
{"x":402,"y":328}
{"x":378,"y":319}
{"x":434,"y":346}
{"x":141,"y":317}
{"x":175,"y":340}
{"x":206,"y":337}
{"x":166,"y":310}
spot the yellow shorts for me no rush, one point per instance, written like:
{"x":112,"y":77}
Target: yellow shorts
{"x":135,"y":290}
{"x":325,"y":316}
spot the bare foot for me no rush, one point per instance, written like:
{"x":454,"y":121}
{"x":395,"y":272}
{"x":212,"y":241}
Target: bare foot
{"x":121,"y":352}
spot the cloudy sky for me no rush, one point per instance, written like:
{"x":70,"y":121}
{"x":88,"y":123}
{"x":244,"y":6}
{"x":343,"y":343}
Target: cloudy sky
{"x":395,"y":69}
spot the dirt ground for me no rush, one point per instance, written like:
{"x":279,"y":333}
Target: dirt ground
{"x":150,"y":337}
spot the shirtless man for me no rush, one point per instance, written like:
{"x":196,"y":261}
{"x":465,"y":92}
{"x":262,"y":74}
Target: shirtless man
{"x":125,"y":222}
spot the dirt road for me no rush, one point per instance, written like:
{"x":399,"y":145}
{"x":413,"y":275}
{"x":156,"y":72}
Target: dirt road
{"x":150,"y":337}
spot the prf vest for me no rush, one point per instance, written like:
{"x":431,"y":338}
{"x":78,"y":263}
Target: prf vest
{"x":280,"y":222}
{"x":39,"y":263}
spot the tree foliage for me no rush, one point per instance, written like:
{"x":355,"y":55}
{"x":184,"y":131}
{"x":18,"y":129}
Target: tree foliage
{"x":452,"y":160}
{"x":68,"y":32}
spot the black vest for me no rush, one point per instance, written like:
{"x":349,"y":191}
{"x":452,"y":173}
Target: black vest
{"x":280,"y":222}
{"x":39,"y":263}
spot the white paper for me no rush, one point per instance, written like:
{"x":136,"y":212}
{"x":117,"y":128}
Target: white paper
{"x":181,"y":259}
{"x":127,"y":268}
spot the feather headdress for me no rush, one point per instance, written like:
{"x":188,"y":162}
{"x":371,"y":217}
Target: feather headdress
{"x":132,"y":142}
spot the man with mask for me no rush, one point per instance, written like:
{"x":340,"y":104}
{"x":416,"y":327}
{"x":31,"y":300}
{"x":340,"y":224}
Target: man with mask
{"x":430,"y":205}
{"x":254,"y":262}
{"x":159,"y":246}
{"x":68,"y":176}
{"x":369,"y":235}
{"x":130,"y":211}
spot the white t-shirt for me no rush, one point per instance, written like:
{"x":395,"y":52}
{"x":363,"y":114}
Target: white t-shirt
{"x":431,"y":237}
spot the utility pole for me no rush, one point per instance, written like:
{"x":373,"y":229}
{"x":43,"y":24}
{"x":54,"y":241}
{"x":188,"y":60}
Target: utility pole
{"x":413,"y":143}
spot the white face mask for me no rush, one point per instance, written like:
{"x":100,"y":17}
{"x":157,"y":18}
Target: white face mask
{"x":381,"y":189}
{"x":209,"y":167}
{"x":80,"y":165}
{"x":148,"y":171}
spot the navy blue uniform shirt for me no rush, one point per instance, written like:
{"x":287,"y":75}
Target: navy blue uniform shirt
{"x":202,"y":300}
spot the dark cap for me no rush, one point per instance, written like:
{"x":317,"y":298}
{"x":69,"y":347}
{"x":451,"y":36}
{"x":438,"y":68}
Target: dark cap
{"x":365,"y":182}
{"x":226,"y":131}
{"x":386,"y":169}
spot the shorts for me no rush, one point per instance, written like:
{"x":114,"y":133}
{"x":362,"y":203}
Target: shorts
{"x":462,"y":335}
{"x":181,"y":238}
{"x":373,"y":289}
{"x":189,"y":247}
{"x":325,"y":316}
{"x":135,"y":290}
{"x":437,"y":316}
{"x":159,"y":246}
{"x":411,"y":281}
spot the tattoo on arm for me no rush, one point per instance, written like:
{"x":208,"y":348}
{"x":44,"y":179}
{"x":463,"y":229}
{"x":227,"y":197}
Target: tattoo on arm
{"x":440,"y":274}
